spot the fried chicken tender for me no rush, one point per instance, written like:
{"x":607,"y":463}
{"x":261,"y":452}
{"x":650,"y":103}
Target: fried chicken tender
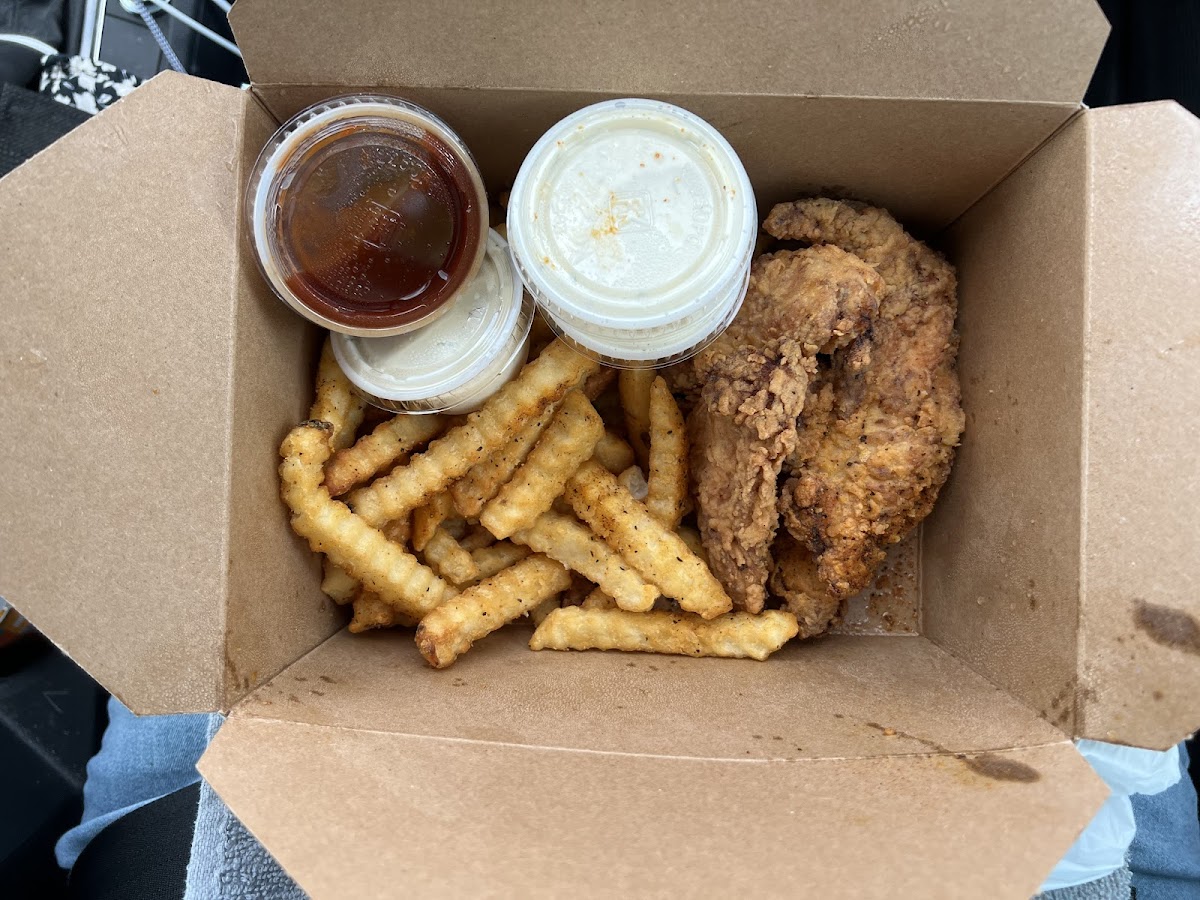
{"x":794,"y":580}
{"x":750,"y":387}
{"x":876,"y":451}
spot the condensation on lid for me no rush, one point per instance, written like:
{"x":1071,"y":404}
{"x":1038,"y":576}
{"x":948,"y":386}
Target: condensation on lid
{"x":631,"y":213}
{"x":438,"y":358}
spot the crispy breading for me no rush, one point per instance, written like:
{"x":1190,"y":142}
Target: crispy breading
{"x":888,"y":441}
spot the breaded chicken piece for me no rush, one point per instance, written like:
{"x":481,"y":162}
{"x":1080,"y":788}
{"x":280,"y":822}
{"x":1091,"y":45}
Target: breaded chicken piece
{"x":884,"y":451}
{"x":750,"y":387}
{"x":742,"y":428}
{"x":794,"y":580}
{"x":781,"y":302}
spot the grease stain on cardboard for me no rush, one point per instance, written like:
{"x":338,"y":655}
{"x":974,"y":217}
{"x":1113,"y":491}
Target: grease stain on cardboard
{"x":1169,"y":627}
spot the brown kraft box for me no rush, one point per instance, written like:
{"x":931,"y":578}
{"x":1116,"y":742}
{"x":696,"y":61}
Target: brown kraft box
{"x":925,"y":751}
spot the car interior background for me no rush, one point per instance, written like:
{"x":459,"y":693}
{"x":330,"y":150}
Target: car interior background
{"x":62,"y":61}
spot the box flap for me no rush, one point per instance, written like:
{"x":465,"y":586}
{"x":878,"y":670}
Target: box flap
{"x":118,"y":287}
{"x":892,"y":695}
{"x":1063,"y":558}
{"x":648,"y":775}
{"x":1000,"y":567}
{"x":969,"y":49}
{"x":1139,"y":626}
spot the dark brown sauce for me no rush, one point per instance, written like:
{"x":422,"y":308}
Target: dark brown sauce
{"x":378,"y":227}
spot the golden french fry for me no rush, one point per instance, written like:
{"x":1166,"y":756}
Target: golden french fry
{"x":634,"y":481}
{"x":337,"y":402}
{"x":563,"y":539}
{"x":428,"y":518}
{"x":374,"y":452}
{"x":659,"y":555}
{"x":343,"y":588}
{"x":738,"y":634}
{"x":542,"y":382}
{"x":472,"y":492}
{"x":498,"y":557}
{"x":667,"y":493}
{"x":331,"y":528}
{"x":613,"y":453}
{"x":372,"y":611}
{"x":338,"y":585}
{"x":450,"y":630}
{"x":446,"y":556}
{"x":597,"y":599}
{"x":695,"y":543}
{"x":476,"y":538}
{"x":634,"y":385}
{"x":563,"y":447}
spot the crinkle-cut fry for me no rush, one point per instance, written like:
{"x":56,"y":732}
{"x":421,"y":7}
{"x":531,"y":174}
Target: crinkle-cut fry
{"x":695,"y":543}
{"x":498,"y":557}
{"x":597,"y":599}
{"x":428,"y":518}
{"x":542,"y":382}
{"x":476,"y":538}
{"x":563,"y":447}
{"x":563,"y":539}
{"x":372,"y":611}
{"x":635,"y":398}
{"x":374,"y":452}
{"x":450,"y":630}
{"x":659,"y":555}
{"x":614,"y":453}
{"x":737,"y":634}
{"x":446,"y":556}
{"x":338,"y":584}
{"x":473,"y":491}
{"x":337,"y":402}
{"x":331,"y":528}
{"x":667,"y":494}
{"x":634,"y":481}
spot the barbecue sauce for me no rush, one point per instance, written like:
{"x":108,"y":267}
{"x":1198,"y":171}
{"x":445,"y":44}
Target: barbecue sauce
{"x":378,"y":227}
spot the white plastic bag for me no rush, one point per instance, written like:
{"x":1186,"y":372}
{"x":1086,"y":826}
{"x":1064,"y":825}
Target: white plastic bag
{"x":1101,"y":849}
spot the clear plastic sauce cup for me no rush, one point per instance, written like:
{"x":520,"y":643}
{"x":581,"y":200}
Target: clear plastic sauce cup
{"x":454,"y":364}
{"x":632,"y":223}
{"x":367,"y":214}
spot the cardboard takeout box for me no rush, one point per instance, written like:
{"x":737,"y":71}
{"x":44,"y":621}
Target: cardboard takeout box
{"x":149,"y":375}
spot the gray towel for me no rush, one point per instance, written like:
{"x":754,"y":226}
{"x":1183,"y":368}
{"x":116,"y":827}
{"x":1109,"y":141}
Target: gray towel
{"x":228,"y":862}
{"x":1111,"y":887}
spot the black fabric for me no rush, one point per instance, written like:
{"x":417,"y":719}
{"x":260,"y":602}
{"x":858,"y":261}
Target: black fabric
{"x":41,"y":19}
{"x":30,"y":121}
{"x":141,"y":856}
{"x":1153,"y":53}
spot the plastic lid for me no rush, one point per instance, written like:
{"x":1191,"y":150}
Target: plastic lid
{"x":478,"y":335}
{"x":633,"y":216}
